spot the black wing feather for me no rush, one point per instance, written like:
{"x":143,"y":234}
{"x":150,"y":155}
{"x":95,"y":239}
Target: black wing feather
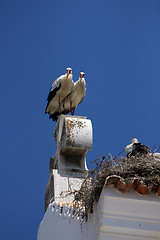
{"x":56,"y":115}
{"x":138,"y":148}
{"x":52,"y":94}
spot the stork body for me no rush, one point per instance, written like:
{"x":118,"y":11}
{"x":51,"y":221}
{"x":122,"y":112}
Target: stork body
{"x":61,"y":88}
{"x":76,"y":96}
{"x":136,"y":148}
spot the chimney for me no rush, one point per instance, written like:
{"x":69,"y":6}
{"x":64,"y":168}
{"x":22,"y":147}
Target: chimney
{"x":73,"y":136}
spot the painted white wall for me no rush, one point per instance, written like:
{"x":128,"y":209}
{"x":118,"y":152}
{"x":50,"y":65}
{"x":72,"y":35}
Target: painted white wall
{"x":56,"y":226}
{"x":129,"y":216}
{"x":73,"y":136}
{"x":116,"y":216}
{"x":65,"y":184}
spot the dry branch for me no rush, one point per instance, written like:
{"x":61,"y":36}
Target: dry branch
{"x":144,"y":167}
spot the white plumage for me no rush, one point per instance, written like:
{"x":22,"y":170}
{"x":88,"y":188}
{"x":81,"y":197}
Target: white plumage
{"x":61,"y":88}
{"x":76,"y":96}
{"x":129,"y":148}
{"x":136,"y":148}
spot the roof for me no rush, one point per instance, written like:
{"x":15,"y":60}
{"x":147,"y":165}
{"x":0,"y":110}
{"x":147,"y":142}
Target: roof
{"x":135,"y":183}
{"x":140,"y":172}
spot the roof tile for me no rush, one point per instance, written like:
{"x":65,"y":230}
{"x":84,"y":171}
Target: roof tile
{"x":134,"y":183}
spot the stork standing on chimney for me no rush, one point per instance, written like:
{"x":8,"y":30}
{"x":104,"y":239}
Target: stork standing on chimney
{"x":74,"y":98}
{"x":61,"y":88}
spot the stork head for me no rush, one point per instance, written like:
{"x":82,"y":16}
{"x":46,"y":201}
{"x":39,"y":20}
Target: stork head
{"x":68,"y":71}
{"x":81,"y":75}
{"x":134,"y":140}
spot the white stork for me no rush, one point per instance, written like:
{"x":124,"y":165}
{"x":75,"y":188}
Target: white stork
{"x":61,"y":88}
{"x":74,"y":98}
{"x":77,"y":95}
{"x":136,"y":148}
{"x":129,"y":148}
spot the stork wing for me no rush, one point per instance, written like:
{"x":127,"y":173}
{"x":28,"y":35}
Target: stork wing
{"x":81,"y":100}
{"x":57,"y":83}
{"x":139,"y":148}
{"x":53,"y":90}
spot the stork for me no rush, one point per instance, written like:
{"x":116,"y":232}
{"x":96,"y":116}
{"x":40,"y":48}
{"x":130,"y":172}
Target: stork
{"x":136,"y":148}
{"x":75,"y":97}
{"x":61,"y":88}
{"x":78,"y":93}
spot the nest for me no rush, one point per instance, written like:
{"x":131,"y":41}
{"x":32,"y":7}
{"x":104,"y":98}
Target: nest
{"x":144,"y":167}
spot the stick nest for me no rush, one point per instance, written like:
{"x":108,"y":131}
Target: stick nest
{"x":144,"y":167}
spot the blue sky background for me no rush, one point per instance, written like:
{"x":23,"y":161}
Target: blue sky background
{"x":117,"y":45}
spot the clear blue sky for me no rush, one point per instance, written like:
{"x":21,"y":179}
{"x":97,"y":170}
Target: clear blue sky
{"x":117,"y":45}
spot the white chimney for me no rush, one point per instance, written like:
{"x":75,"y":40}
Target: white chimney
{"x":73,"y":136}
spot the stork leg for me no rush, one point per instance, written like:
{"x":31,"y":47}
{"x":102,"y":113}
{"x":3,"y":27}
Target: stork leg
{"x":73,"y":110}
{"x":64,"y":105}
{"x":59,"y":105}
{"x":71,"y":107}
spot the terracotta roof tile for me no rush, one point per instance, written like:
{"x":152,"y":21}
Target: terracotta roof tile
{"x":135,"y":183}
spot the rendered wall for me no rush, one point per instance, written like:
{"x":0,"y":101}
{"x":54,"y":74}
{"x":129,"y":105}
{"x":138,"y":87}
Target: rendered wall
{"x":117,"y":216}
{"x":129,"y":216}
{"x":57,"y":226}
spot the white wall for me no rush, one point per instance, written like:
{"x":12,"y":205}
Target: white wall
{"x":56,"y":226}
{"x":129,"y":216}
{"x":117,"y":216}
